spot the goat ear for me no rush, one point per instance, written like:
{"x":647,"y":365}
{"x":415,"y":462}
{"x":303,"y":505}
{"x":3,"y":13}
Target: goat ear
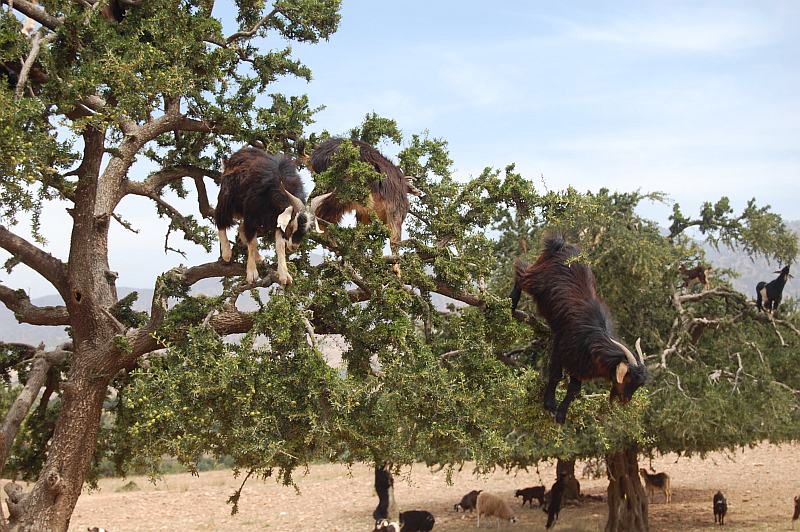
{"x":284,"y":218}
{"x":622,"y":370}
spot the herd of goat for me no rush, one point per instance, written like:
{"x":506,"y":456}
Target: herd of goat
{"x":488,"y":505}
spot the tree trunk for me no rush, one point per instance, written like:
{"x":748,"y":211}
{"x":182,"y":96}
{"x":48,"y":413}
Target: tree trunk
{"x":50,"y":503}
{"x":627,"y":501}
{"x":572,"y":488}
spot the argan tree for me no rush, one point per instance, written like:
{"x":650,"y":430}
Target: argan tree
{"x":97,"y":87}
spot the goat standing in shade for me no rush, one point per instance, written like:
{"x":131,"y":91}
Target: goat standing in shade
{"x":265,"y":195}
{"x":388,"y":197}
{"x":769,"y":295}
{"x":583,"y":342}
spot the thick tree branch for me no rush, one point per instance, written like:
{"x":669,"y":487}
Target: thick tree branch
{"x":38,"y":14}
{"x":19,"y":303}
{"x":39,"y":260}
{"x":42,"y":362}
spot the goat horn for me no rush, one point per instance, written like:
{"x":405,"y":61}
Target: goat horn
{"x":316,"y":201}
{"x":628,"y":354}
{"x":639,"y":350}
{"x":296,"y":203}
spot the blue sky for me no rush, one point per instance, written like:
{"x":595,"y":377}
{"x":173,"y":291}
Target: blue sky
{"x":695,"y":99}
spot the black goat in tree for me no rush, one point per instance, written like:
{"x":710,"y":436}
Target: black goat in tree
{"x":583,"y":343}
{"x":769,"y":295}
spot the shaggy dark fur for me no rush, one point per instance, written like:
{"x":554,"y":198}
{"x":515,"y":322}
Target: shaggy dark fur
{"x":389,"y":196}
{"x":250,"y":191}
{"x":796,"y":515}
{"x":583,"y":346}
{"x":416,"y":521}
{"x":528,"y":494}
{"x":384,"y":483}
{"x":769,"y":295}
{"x":468,"y":501}
{"x":720,"y":508}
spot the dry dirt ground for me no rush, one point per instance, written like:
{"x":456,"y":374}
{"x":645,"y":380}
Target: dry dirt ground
{"x":758,"y":483}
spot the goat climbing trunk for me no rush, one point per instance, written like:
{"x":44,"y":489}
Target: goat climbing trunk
{"x":627,"y":500}
{"x":50,"y":503}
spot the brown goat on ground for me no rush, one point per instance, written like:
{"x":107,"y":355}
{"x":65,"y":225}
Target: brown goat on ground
{"x":388,"y":197}
{"x":693,"y":276}
{"x":659,"y":481}
{"x":796,"y":515}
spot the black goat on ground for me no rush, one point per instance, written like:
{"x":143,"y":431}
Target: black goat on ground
{"x":265,"y":195}
{"x":528,"y":494}
{"x":416,"y":521}
{"x":468,"y":501}
{"x":796,"y":515}
{"x":384,"y":487}
{"x":583,"y":343}
{"x":769,"y":295}
{"x":556,"y":498}
{"x":720,"y":508}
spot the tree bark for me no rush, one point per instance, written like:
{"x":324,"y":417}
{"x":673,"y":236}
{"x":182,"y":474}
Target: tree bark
{"x":572,"y":488}
{"x":50,"y":503}
{"x":627,"y":500}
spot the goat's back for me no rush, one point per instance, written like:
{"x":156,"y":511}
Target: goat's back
{"x":250,"y":189}
{"x":391,"y":189}
{"x":562,"y":291}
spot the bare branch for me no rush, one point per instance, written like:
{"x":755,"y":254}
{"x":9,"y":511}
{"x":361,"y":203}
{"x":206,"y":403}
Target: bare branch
{"x":36,"y":44}
{"x":249,"y":33}
{"x":42,"y":363}
{"x":38,"y":14}
{"x":19,"y":303}
{"x":42,"y":262}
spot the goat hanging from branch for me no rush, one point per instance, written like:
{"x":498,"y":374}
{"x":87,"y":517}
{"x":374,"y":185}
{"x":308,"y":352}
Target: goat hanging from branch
{"x":583,"y":342}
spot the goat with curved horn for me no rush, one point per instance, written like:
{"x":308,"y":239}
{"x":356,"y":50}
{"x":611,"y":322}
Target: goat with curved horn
{"x":583,"y":343}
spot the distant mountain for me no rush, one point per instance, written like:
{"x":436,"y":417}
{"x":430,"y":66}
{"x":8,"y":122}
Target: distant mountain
{"x":751,"y":272}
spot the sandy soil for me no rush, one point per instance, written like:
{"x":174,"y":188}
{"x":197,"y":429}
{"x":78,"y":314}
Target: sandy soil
{"x":758,"y":483}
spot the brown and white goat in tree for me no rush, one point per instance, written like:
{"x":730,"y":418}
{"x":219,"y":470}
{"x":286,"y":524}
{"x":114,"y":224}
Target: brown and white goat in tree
{"x":696,"y":275}
{"x":265,"y":195}
{"x":388,"y":197}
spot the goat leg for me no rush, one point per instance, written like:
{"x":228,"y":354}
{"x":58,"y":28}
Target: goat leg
{"x":280,"y":251}
{"x":573,"y":389}
{"x":243,"y":239}
{"x":252,"y":251}
{"x":552,"y":383}
{"x":224,"y":246}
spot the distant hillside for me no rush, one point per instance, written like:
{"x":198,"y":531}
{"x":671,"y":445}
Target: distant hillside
{"x":750,"y":272}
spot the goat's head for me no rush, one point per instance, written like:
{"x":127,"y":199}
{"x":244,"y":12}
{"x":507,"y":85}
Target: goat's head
{"x":784,"y":273}
{"x":630,"y":373}
{"x":298,"y":218}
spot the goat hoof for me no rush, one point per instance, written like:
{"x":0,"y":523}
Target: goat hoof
{"x":226,"y":255}
{"x":285,"y":279}
{"x":561,"y":417}
{"x":252,"y":277}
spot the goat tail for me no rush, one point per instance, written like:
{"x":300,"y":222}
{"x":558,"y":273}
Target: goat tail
{"x":759,"y":287}
{"x":223,"y":212}
{"x":520,"y":269}
{"x":554,"y":242}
